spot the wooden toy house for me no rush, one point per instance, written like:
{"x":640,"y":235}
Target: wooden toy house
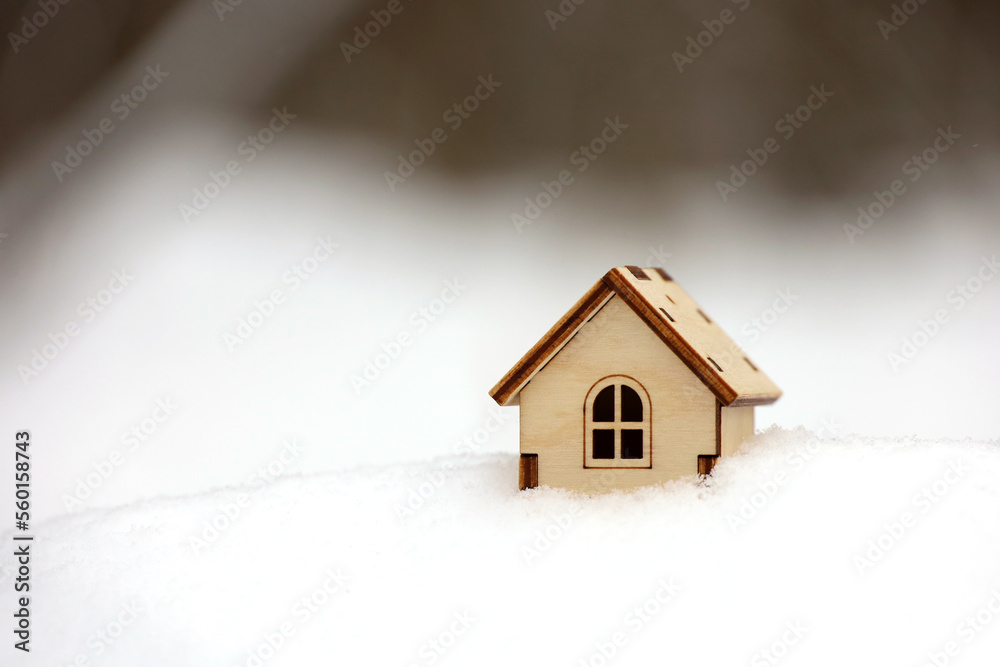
{"x":635,"y":385}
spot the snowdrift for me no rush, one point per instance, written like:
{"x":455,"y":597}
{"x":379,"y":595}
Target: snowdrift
{"x":800,"y":550}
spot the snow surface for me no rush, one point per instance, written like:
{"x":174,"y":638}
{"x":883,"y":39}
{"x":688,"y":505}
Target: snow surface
{"x":789,"y":548}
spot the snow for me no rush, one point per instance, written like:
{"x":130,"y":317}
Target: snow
{"x":821,"y":549}
{"x":313,"y":468}
{"x":164,"y":336}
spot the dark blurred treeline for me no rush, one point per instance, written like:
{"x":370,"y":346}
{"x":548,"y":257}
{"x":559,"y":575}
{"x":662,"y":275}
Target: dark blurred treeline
{"x":697,"y":83}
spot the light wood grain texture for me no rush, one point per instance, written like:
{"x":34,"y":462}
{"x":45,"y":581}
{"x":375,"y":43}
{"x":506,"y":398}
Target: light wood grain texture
{"x":552,"y":406}
{"x":617,"y":426}
{"x":675,"y":318}
{"x":707,"y":350}
{"x":635,"y":333}
{"x":737,"y":426}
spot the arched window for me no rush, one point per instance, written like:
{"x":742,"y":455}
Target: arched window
{"x":616,"y":422}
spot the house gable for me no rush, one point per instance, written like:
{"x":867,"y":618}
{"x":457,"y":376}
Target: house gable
{"x":676,"y":320}
{"x":701,"y":343}
{"x":506,"y":391}
{"x":615,"y":342}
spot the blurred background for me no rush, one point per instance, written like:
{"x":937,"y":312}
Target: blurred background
{"x":337,"y":224}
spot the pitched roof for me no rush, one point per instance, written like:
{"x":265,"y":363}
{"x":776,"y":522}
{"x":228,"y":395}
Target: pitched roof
{"x":673,"y":316}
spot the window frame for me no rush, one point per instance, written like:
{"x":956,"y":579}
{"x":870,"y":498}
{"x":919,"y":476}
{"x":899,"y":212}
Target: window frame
{"x":646,"y":425}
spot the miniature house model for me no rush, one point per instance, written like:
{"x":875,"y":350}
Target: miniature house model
{"x":635,"y":385}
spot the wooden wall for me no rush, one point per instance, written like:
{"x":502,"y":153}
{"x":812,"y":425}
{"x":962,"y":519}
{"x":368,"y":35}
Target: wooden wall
{"x":616,"y":342}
